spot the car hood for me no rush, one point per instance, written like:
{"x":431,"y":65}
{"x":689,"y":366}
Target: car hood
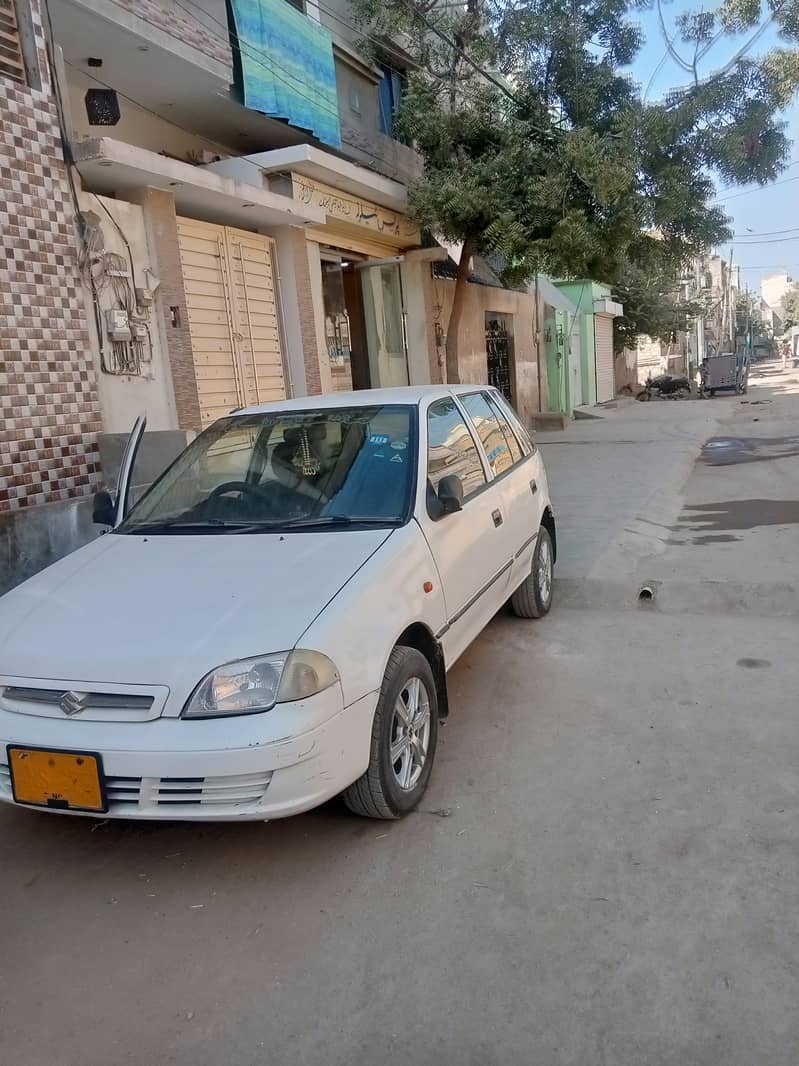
{"x":166,"y":609}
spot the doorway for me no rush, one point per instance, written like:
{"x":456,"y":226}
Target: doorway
{"x":337,"y":325}
{"x":365,"y":328}
{"x":499,"y":344}
{"x":384,"y":315}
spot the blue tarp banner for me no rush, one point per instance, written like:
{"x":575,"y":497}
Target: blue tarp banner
{"x":287,"y":66}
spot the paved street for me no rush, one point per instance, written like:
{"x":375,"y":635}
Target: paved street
{"x":604,"y":871}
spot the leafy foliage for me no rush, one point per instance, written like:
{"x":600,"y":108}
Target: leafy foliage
{"x":538,"y":147}
{"x":790,"y":307}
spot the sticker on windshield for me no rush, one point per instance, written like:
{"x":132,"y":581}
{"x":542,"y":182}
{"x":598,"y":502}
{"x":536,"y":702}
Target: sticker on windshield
{"x":399,"y":445}
{"x":378,"y":438}
{"x":396,"y":458}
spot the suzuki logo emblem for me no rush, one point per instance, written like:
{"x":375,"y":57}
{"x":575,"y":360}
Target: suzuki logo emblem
{"x":73,"y":702}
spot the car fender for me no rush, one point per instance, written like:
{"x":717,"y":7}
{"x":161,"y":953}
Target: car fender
{"x":359,"y":627}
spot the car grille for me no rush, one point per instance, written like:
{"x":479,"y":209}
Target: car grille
{"x":87,"y":705}
{"x":238,"y":793}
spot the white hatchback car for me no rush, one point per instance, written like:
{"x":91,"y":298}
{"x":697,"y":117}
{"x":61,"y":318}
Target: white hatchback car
{"x":272,"y":623}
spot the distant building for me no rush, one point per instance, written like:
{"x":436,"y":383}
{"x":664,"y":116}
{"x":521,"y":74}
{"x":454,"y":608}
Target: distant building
{"x":772,"y":291}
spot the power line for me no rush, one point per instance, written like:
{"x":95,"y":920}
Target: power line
{"x":767,"y":266}
{"x":778,"y":240}
{"x":765,"y":233}
{"x":760,"y":188}
{"x":408,"y":4}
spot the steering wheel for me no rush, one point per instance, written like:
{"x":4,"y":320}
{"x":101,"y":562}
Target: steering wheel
{"x":238,"y":486}
{"x":244,"y":488}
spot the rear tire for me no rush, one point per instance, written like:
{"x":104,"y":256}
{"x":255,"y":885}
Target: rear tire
{"x":404,"y":738}
{"x":533,"y":598}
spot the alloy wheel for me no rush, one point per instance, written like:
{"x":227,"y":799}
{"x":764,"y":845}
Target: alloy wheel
{"x":544,"y":574}
{"x":410,"y":733}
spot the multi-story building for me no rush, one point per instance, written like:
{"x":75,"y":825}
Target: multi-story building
{"x":232,"y":229}
{"x":773,"y":288}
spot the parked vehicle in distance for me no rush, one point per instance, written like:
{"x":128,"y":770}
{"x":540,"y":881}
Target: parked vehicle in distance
{"x":724,"y":372}
{"x":272,"y":623}
{"x":674,"y":387}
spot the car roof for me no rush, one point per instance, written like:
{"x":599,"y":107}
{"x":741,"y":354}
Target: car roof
{"x":416,"y":395}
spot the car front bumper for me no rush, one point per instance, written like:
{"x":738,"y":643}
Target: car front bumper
{"x":171,"y":769}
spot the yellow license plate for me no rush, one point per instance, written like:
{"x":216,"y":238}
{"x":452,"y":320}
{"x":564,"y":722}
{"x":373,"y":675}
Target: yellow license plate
{"x":62,"y":780}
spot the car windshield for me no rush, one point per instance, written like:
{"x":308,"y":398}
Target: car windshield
{"x":287,"y":470}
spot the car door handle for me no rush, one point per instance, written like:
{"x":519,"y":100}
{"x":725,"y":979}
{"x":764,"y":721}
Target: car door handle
{"x":497,"y":516}
{"x":533,"y":487}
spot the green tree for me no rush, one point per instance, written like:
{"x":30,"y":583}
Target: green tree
{"x":790,"y":307}
{"x":538,"y":148}
{"x":654,"y":304}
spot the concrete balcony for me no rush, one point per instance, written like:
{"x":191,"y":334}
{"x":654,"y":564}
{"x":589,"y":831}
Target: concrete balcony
{"x":172,"y":67}
{"x":383,"y":154}
{"x":186,"y":31}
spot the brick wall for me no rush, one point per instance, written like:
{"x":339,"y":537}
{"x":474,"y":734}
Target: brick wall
{"x":206,"y":31}
{"x":49,"y":414}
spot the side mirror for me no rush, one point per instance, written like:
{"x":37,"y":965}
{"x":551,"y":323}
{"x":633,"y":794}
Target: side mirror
{"x":450,"y":494}
{"x":104,"y":513}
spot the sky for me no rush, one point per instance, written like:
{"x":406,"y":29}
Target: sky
{"x":760,"y":216}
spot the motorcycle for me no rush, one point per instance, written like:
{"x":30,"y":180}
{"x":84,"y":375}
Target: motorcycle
{"x":672,"y":387}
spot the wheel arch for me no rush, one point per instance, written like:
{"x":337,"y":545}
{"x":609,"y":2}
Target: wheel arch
{"x":418,"y":636}
{"x":548,"y":522}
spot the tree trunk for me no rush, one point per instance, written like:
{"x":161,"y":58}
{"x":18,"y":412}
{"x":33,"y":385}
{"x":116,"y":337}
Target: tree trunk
{"x":458,"y":303}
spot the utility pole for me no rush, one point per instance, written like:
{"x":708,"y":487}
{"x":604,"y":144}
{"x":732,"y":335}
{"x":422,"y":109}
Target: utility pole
{"x":731,"y":303}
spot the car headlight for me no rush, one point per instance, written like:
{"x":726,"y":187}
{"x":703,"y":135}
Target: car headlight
{"x":251,"y":686}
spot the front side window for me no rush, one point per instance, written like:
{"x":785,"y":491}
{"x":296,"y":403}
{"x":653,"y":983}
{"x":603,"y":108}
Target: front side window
{"x":288,"y":470}
{"x":451,"y":448}
{"x":485,"y":421}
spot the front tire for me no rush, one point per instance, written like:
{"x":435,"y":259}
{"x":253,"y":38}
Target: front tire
{"x":533,"y":598}
{"x":404,"y":739}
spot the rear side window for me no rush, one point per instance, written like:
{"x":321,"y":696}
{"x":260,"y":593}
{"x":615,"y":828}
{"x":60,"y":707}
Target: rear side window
{"x":451,"y":448}
{"x":494,"y":441}
{"x":523,"y":437}
{"x":510,"y":436}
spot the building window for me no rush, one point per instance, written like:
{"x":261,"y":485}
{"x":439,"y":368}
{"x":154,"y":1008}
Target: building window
{"x":299,"y":4}
{"x":390,"y":94}
{"x":12,"y":62}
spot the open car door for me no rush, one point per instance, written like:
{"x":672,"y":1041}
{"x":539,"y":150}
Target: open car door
{"x":126,"y":468}
{"x":110,"y":510}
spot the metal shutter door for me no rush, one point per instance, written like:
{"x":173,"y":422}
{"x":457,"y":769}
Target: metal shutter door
{"x":11,"y":62}
{"x":250,"y":257}
{"x":203,"y":258}
{"x":603,"y":347}
{"x":229,"y":284}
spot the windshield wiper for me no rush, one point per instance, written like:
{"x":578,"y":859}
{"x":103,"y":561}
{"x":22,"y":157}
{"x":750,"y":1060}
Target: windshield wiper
{"x":337,"y":520}
{"x":177,"y":525}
